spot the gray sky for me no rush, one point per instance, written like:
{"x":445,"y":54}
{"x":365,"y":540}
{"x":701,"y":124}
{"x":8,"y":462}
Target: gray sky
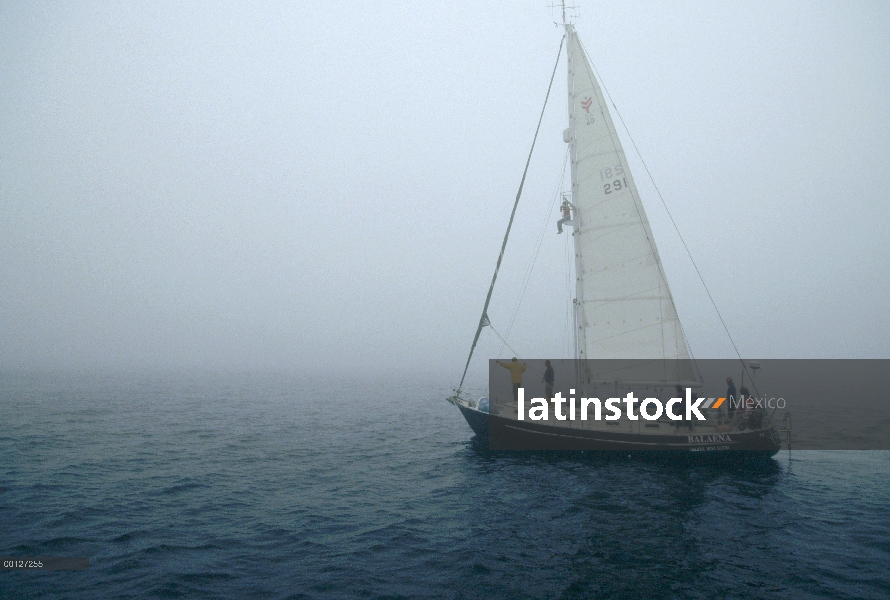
{"x":233,"y":186}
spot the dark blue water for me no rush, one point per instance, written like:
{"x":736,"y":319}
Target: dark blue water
{"x":274,"y":487}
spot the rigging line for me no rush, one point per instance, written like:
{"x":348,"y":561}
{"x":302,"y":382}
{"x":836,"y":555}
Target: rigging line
{"x":497,"y":267}
{"x":528,"y":273}
{"x":564,"y":332}
{"x":569,"y":254}
{"x":531,"y":267}
{"x":676,"y":228}
{"x":569,"y":323}
{"x":515,"y":353}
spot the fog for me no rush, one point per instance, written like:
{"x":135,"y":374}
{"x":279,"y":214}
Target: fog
{"x":324,"y":187}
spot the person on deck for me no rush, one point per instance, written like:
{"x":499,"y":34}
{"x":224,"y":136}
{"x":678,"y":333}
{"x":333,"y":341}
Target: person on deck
{"x":548,"y":380}
{"x":731,"y":398}
{"x":566,"y":215}
{"x":516,"y":369}
{"x":755,"y":412}
{"x":746,"y":411}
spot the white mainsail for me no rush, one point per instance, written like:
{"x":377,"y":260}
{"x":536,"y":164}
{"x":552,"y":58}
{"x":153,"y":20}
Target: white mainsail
{"x":624,"y":306}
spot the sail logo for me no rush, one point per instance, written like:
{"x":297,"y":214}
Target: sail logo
{"x":586,"y":104}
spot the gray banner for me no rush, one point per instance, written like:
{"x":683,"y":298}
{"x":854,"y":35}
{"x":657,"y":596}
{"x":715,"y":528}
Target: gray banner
{"x":813,"y":404}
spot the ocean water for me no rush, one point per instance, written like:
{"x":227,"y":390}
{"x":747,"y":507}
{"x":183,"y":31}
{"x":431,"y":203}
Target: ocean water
{"x":281,"y":487}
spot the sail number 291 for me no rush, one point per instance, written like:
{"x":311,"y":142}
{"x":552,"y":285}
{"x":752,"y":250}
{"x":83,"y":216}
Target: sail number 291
{"x":613,"y":185}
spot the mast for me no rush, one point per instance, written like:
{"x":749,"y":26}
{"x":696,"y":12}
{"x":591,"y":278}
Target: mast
{"x":577,"y":301}
{"x":569,"y":137}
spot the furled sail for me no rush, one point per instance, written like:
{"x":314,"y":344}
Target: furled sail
{"x":624,"y":306}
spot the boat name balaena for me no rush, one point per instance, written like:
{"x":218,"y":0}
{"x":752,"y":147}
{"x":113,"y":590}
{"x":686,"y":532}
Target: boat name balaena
{"x":709,"y":439}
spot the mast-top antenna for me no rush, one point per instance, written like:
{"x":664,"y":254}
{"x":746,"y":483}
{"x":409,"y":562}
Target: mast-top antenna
{"x":562,"y":6}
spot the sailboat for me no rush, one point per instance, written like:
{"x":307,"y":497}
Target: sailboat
{"x":623,"y":307}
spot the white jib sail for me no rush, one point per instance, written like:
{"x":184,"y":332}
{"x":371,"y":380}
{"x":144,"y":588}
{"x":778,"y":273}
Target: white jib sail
{"x":625,"y":309}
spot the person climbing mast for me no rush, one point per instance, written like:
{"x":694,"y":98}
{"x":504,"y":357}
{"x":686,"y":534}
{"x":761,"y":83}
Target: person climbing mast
{"x":566,"y":219}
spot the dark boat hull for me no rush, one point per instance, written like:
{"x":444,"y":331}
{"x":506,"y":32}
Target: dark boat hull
{"x":536,"y":436}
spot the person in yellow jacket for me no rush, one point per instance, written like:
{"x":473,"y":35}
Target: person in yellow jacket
{"x":516,"y":369}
